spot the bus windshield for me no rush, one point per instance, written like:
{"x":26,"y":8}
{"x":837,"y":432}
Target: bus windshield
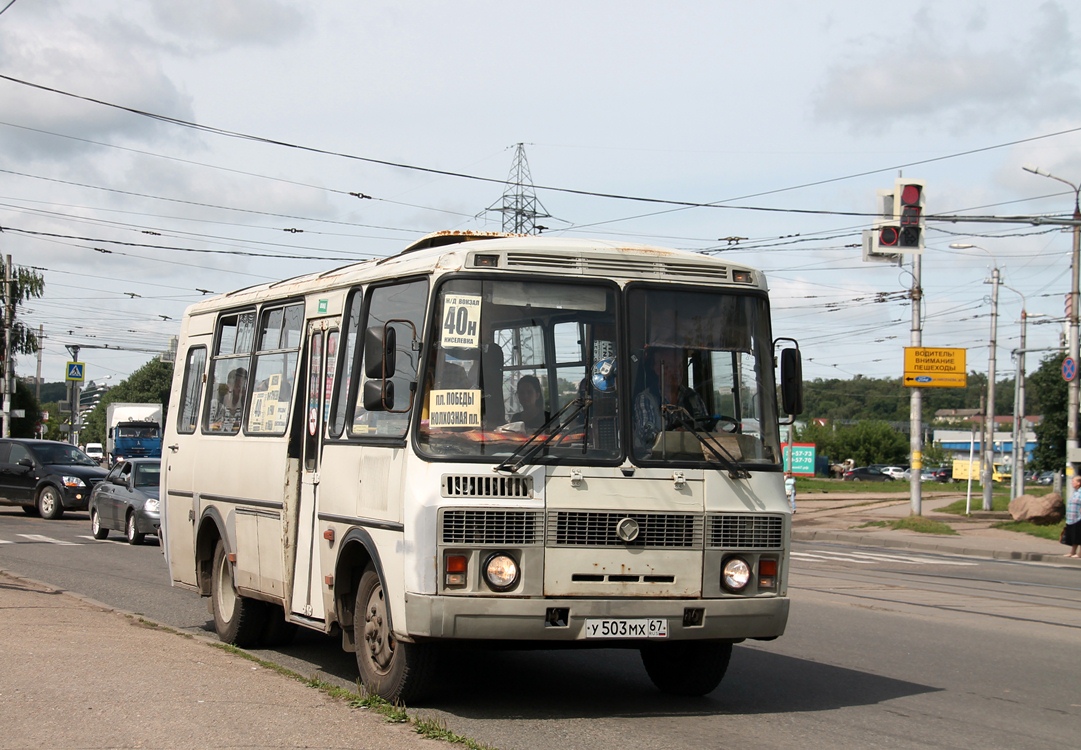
{"x":702,"y":380}
{"x":512,"y":363}
{"x":508,"y":357}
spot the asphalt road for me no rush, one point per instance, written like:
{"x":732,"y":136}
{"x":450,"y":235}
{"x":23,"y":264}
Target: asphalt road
{"x":884,"y":649}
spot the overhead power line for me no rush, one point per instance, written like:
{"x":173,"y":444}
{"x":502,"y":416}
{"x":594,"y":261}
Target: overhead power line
{"x":678,"y":204}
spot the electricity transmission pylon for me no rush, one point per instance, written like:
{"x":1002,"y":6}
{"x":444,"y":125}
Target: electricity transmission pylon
{"x":520,"y":207}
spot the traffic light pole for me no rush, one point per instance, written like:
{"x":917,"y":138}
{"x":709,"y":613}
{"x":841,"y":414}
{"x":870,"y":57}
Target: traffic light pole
{"x":916,"y":397}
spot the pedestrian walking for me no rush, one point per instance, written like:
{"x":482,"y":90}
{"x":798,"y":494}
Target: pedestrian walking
{"x":1071,"y":535}
{"x":790,"y":489}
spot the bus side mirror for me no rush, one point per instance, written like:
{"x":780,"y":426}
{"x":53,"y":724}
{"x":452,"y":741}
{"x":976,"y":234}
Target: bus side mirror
{"x":379,"y":395}
{"x":380,"y":346}
{"x":791,"y":382}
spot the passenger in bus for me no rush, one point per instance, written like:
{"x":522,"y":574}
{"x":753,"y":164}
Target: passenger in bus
{"x":665,"y":402}
{"x":231,"y":406}
{"x":531,"y":398}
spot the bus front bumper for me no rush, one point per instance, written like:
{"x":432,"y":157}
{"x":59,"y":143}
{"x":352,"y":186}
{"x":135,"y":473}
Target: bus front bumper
{"x":556,"y":620}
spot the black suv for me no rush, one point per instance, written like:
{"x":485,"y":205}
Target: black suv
{"x":46,"y":477}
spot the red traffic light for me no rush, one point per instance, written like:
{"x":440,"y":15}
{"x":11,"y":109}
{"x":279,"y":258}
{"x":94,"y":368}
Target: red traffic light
{"x":889,"y":236}
{"x":911,"y":194}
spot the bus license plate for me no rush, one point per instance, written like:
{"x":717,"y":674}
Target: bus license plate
{"x":624,"y":628}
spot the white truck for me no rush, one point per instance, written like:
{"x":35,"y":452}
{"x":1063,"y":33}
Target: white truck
{"x":132,"y":431}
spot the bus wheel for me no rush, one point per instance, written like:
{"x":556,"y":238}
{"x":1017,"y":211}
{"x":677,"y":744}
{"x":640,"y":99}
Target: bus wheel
{"x":395,"y":671}
{"x":687,"y":667}
{"x":237,"y":619}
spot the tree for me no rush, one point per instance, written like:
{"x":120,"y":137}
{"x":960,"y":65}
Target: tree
{"x":1049,"y":397}
{"x":867,"y":442}
{"x":872,"y":442}
{"x":26,"y":284}
{"x":150,"y":384}
{"x":935,"y":455}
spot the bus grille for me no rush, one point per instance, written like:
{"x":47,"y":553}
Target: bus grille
{"x":487,"y":486}
{"x":598,"y":529}
{"x":628,"y":267}
{"x":746,"y":532}
{"x":486,"y":527}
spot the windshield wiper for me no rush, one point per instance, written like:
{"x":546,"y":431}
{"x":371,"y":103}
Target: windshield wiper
{"x":723,"y":456}
{"x":525,"y":452}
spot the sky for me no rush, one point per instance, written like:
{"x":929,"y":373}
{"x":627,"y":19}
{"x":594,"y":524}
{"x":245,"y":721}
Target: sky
{"x":329,"y":132}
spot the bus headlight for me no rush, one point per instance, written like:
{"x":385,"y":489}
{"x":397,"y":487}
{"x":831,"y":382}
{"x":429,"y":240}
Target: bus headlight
{"x":736,"y":574}
{"x":501,"y":572}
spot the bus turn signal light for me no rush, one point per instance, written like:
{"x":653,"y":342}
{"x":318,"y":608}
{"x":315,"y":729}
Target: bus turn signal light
{"x":455,"y":570}
{"x":767,"y":574}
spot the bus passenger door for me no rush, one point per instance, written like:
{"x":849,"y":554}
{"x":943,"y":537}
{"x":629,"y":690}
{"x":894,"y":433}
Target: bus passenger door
{"x":307,"y":584}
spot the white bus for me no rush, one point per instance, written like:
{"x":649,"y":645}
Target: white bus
{"x":348,"y":451}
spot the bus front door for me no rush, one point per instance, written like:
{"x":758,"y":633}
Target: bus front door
{"x":307,"y":599}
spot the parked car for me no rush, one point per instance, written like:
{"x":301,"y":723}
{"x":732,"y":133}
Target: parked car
{"x":46,"y":477}
{"x":96,"y":451}
{"x":1046,"y":478}
{"x":942,"y":474}
{"x":866,"y":474}
{"x":127,"y":500}
{"x":897,"y":472}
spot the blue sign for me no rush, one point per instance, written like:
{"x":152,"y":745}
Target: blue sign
{"x":76,"y":371}
{"x":1069,"y":369}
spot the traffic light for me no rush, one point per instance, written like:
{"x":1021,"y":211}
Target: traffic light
{"x":908,"y":202}
{"x":885,"y":233}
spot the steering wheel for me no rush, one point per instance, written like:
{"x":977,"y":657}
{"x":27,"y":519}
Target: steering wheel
{"x":725,"y":423}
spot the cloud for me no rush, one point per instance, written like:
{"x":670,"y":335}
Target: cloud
{"x":216,"y":25}
{"x":105,"y":58}
{"x":924,"y":76}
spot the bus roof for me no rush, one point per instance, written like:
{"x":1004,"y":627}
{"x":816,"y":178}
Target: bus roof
{"x":455,"y":250}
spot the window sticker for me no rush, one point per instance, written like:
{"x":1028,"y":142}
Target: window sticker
{"x":461,"y":320}
{"x":455,"y":408}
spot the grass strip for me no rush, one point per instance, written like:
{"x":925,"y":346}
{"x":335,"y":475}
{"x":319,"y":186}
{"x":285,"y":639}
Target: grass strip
{"x":915,"y":523}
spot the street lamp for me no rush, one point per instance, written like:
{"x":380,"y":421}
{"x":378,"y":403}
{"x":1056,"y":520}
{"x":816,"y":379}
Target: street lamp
{"x":1075,"y":266}
{"x":987,"y":444}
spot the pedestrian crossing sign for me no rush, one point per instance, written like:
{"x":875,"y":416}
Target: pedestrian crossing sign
{"x":76,"y":371}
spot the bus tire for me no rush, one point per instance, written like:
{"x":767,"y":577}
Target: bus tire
{"x":687,"y":667}
{"x":395,"y":671}
{"x":238,"y":619}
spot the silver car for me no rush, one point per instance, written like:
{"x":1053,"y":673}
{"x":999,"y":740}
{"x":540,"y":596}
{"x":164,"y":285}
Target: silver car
{"x":127,"y":500}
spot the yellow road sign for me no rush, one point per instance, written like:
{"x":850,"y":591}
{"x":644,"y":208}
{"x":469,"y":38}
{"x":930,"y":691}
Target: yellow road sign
{"x":934,"y":367}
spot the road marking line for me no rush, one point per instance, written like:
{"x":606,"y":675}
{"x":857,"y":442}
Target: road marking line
{"x":808,"y":556}
{"x":110,"y":541}
{"x":47,"y":539}
{"x":868,"y":558}
{"x":917,"y":560}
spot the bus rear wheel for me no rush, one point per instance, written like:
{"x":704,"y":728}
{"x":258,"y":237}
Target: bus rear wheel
{"x":238,"y":619}
{"x":396,"y":671}
{"x":687,"y":667}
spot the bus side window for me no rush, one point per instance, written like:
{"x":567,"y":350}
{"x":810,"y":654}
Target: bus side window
{"x":400,"y":306}
{"x":188,"y":414}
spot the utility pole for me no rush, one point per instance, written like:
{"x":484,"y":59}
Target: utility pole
{"x":9,"y":319}
{"x":1072,"y":342}
{"x":989,"y":428}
